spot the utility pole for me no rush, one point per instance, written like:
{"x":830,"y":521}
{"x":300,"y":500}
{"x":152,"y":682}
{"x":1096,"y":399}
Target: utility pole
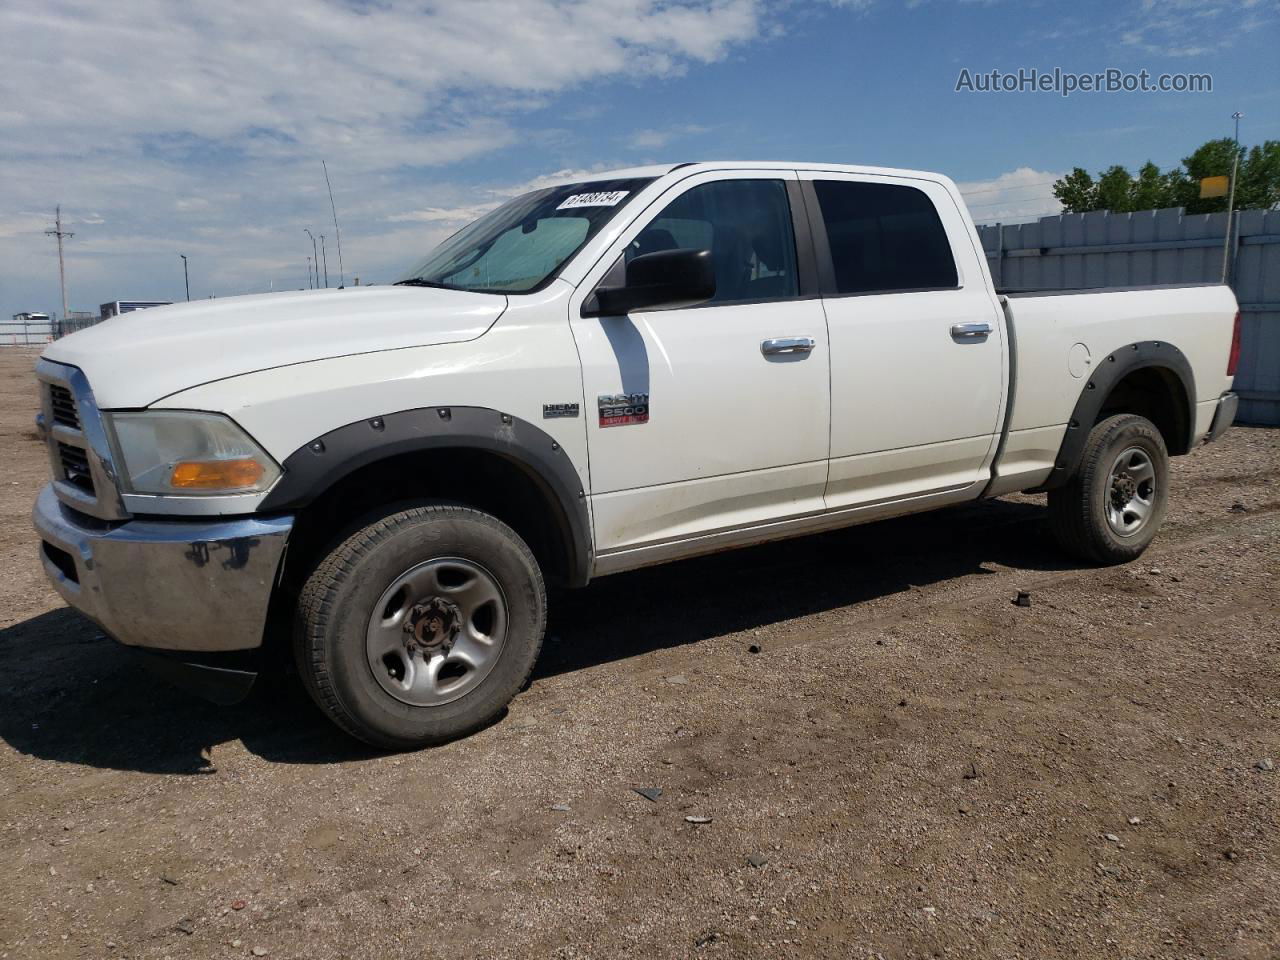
{"x":58,"y":232}
{"x":314,"y":254}
{"x":186,"y":279}
{"x":325,"y":257}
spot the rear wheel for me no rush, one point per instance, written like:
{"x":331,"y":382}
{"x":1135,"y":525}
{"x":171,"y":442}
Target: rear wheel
{"x":420,"y":626}
{"x":1111,"y":509}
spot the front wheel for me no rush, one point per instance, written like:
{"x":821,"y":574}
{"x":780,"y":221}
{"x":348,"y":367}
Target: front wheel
{"x":1110,"y":510}
{"x":420,"y":626}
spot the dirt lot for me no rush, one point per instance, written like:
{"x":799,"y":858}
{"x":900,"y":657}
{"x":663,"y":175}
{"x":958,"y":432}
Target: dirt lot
{"x":911,"y":766}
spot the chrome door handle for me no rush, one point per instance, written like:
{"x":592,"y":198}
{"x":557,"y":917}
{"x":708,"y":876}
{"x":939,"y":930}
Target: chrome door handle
{"x":772,"y":348}
{"x":971,"y":331}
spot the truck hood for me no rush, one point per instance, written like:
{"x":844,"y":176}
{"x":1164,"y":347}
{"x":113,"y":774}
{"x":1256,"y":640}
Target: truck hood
{"x":135,"y":359}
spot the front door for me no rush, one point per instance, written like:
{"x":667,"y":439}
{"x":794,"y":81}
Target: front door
{"x":716,"y":416}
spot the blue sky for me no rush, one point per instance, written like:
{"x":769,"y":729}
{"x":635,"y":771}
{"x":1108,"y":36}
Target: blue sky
{"x":167,"y":128}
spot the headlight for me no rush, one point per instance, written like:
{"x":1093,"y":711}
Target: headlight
{"x":188,"y":453}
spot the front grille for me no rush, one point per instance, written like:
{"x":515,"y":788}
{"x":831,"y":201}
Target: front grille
{"x":63,"y":407}
{"x":75,"y":467}
{"x":78,"y":458}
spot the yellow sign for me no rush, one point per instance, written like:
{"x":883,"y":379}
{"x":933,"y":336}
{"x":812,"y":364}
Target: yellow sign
{"x":1214,"y":187}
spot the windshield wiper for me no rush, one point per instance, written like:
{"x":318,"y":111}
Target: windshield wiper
{"x":419,"y":282}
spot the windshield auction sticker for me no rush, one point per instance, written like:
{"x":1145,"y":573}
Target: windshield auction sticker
{"x":608,"y":198}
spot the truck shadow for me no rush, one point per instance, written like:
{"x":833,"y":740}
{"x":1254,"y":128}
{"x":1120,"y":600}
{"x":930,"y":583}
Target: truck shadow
{"x":667,"y":606}
{"x":70,"y":695}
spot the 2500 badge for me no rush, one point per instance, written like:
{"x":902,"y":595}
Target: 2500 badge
{"x":620,"y":409}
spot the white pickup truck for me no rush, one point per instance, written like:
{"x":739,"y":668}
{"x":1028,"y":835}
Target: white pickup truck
{"x":644,"y":366}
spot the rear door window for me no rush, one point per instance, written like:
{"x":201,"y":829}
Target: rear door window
{"x":884,"y":237}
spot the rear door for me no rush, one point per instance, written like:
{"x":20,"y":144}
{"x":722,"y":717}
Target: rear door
{"x":712,"y":417}
{"x":917,"y":347}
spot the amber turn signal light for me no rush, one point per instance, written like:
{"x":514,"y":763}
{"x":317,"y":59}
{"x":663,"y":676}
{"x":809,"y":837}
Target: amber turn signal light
{"x":238,"y":474}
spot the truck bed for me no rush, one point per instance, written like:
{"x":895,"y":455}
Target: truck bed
{"x":1059,"y":338}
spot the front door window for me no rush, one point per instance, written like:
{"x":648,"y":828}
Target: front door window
{"x":746,"y":224}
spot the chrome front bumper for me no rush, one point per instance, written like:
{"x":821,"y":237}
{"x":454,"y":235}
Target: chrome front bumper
{"x":165,"y":584}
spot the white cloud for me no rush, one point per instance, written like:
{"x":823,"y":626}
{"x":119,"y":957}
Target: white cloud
{"x":324,"y":75}
{"x":20,"y":224}
{"x":552,"y":179}
{"x":202,"y":125}
{"x":464,"y":214}
{"x":1193,"y":28}
{"x":657,"y":139}
{"x":1021,"y":194}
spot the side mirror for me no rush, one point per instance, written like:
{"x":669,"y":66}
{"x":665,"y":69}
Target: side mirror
{"x":668,"y":278}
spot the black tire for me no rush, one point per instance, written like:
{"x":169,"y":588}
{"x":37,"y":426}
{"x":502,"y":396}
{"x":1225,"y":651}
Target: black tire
{"x":1078,"y":511}
{"x":339,"y":598}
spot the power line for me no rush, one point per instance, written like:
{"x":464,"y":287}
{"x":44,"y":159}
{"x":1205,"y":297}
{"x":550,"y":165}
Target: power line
{"x":58,"y":232}
{"x":1014,"y":216}
{"x":1053,"y":207}
{"x":1020,"y":186}
{"x":1030,"y":202}
{"x":1001,"y":203}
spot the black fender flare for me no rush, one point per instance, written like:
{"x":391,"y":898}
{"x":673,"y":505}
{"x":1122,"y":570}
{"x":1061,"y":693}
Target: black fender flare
{"x":316,"y":466}
{"x":1109,"y":371}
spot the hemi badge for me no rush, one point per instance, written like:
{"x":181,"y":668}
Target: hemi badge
{"x":552,"y":410}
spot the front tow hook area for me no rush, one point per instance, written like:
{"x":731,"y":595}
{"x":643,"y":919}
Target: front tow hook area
{"x":222,"y":679}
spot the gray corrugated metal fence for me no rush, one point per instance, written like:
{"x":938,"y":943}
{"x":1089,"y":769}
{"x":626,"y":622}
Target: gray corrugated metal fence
{"x":1081,"y":250}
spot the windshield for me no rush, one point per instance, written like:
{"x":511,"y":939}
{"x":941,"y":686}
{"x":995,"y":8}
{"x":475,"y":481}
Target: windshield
{"x":521,"y":245}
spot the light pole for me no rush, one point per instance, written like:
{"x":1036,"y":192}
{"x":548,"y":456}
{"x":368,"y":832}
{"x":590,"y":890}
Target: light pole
{"x":314,"y":255}
{"x":1228,"y":253}
{"x":309,"y":285}
{"x":325,"y":257}
{"x":342,"y":273}
{"x":186,"y":278}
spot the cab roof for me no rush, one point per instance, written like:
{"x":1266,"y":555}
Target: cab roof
{"x":662,"y":169}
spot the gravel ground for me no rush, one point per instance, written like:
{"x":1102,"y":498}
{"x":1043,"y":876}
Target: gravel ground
{"x":909,"y":766}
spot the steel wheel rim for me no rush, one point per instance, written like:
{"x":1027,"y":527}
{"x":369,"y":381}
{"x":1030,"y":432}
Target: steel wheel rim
{"x":1131,"y":492}
{"x":437,"y":631}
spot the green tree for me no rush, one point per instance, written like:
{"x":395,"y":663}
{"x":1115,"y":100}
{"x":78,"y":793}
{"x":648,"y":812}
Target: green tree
{"x":1179,"y":189}
{"x":1257,"y":182}
{"x":1150,"y":189}
{"x":1212,"y":159}
{"x":1077,"y":192}
{"x":1115,"y":190}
